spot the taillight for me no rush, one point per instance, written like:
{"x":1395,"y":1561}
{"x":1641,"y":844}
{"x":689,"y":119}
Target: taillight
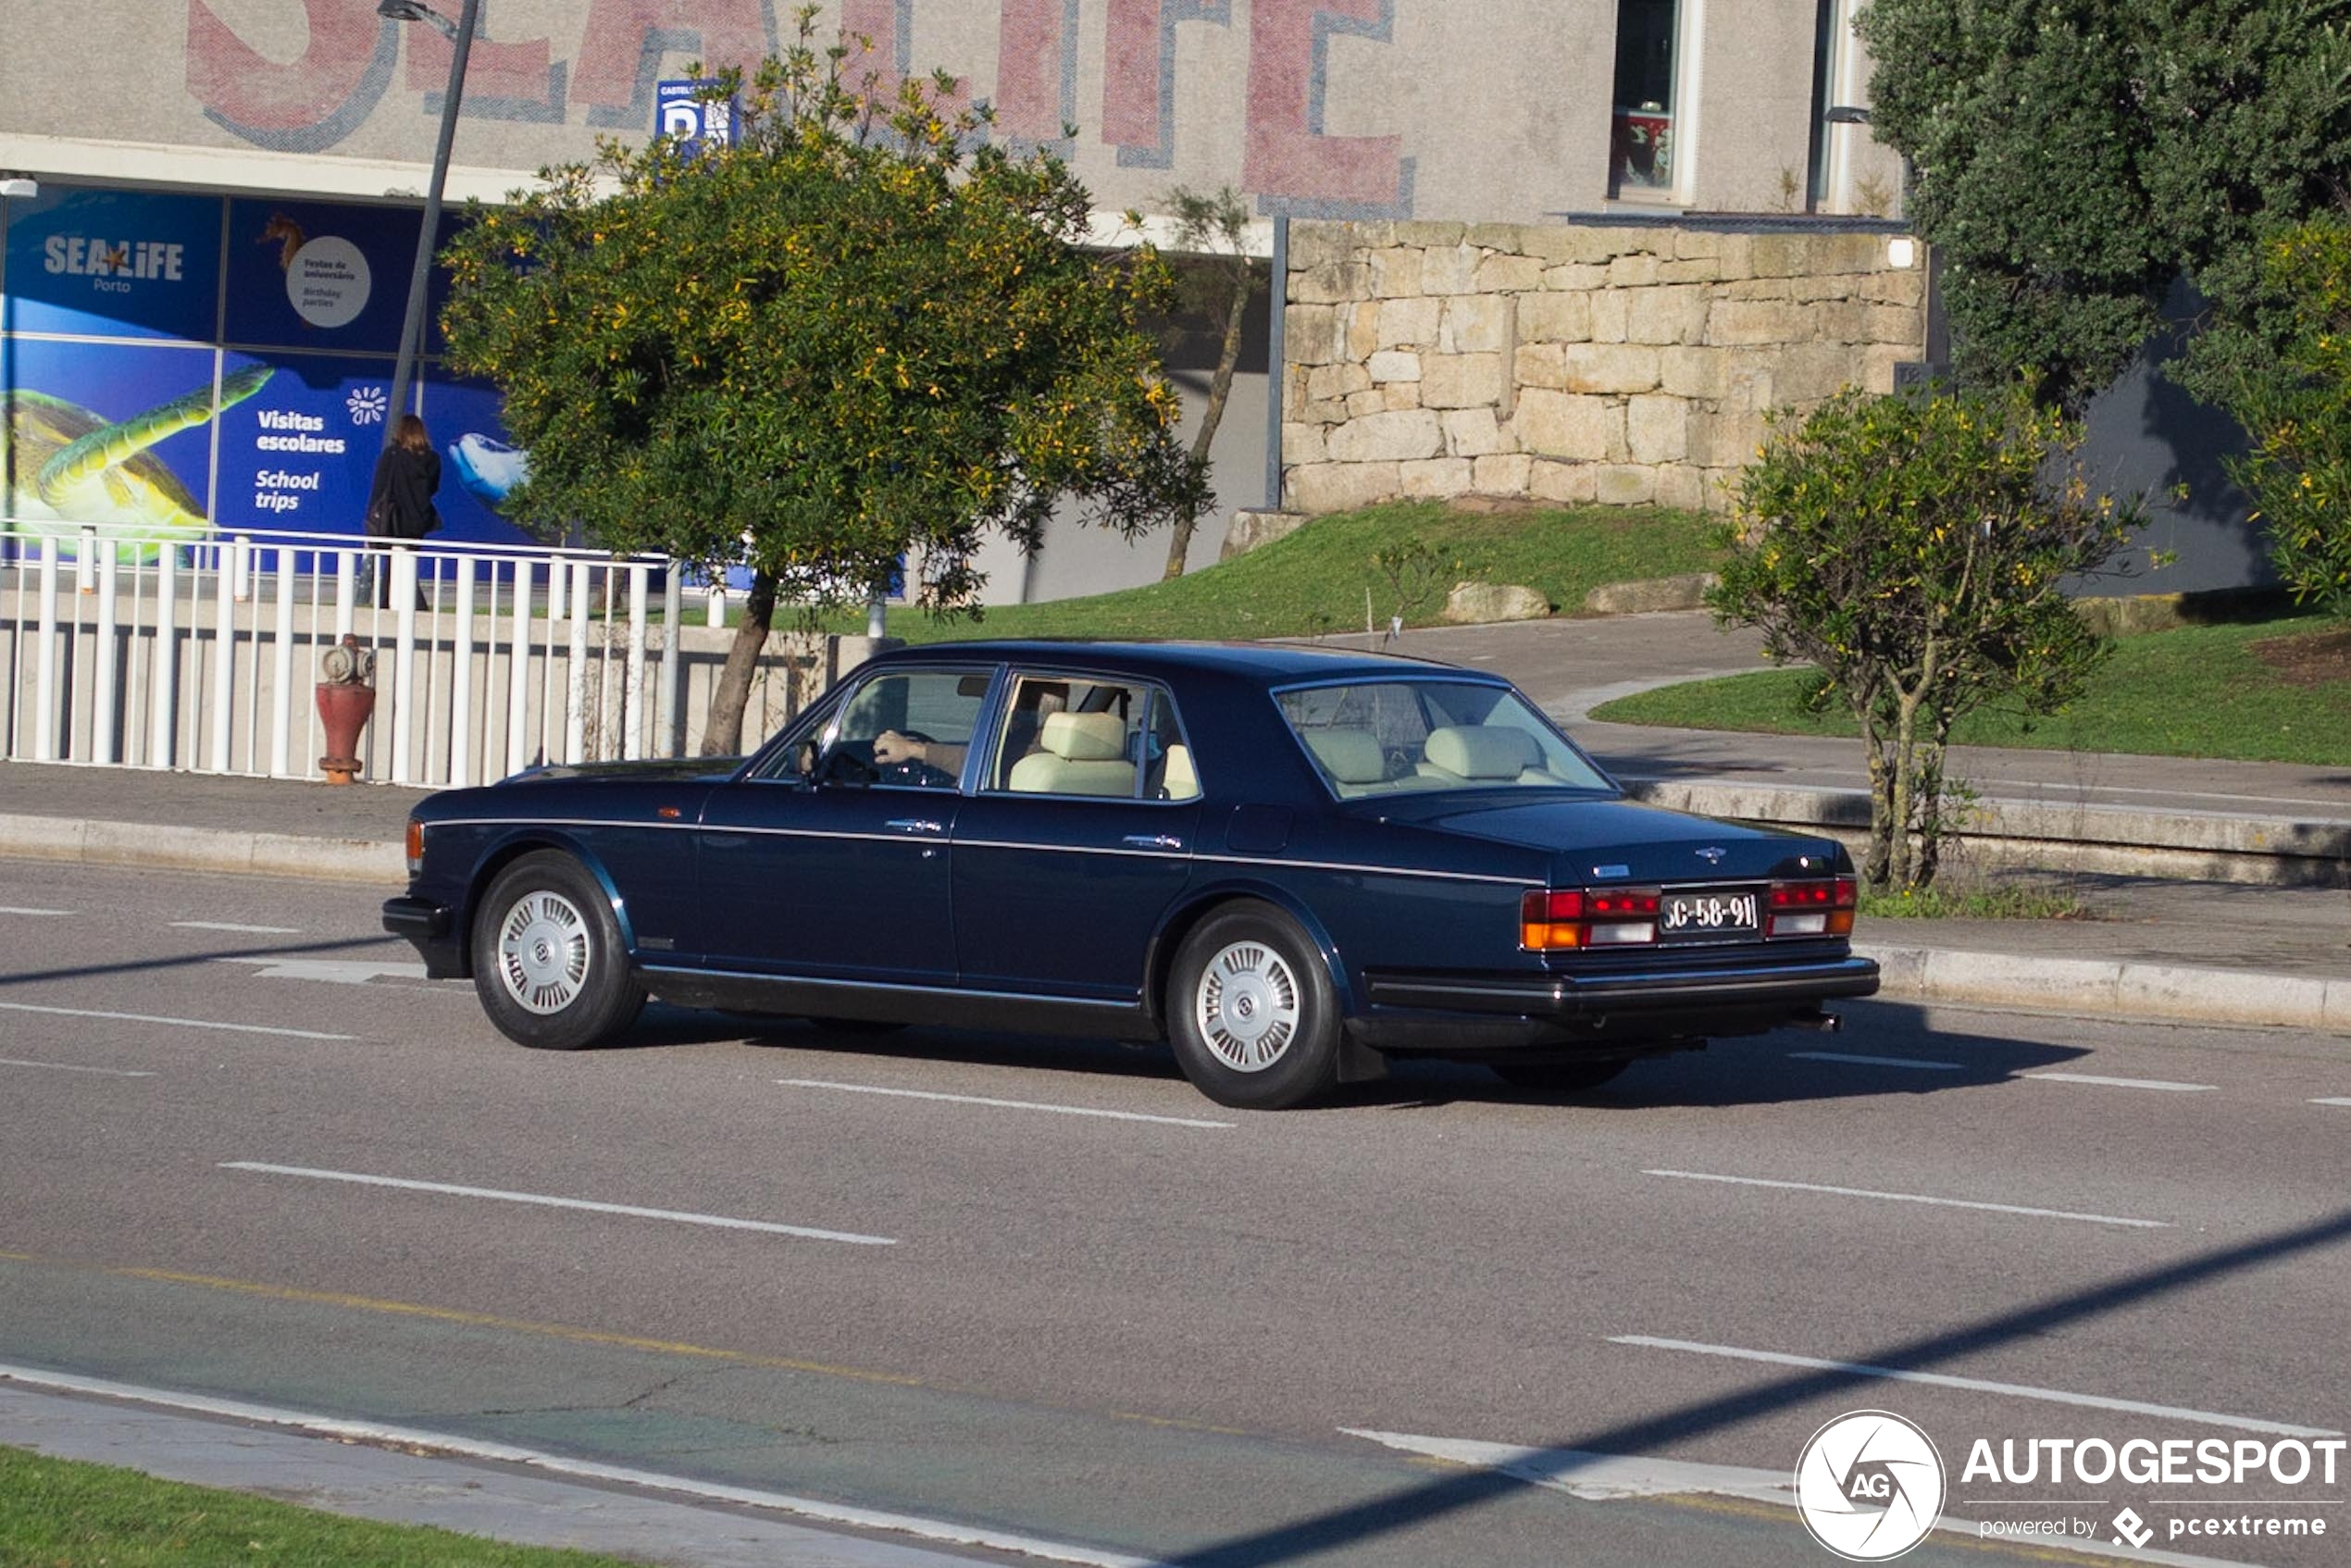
{"x":1579,"y":918}
{"x":1551,"y":920}
{"x":1812,"y":909}
{"x":416,"y":846}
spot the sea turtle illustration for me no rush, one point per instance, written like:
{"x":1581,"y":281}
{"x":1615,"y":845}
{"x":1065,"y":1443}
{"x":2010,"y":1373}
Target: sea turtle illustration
{"x":62,"y":466}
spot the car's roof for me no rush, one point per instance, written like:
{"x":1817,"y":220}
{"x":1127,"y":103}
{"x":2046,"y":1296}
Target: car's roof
{"x":1270,"y":662}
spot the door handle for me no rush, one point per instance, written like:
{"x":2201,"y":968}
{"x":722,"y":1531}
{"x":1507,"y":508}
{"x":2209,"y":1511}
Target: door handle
{"x":1153,"y":841}
{"x":914,"y":825}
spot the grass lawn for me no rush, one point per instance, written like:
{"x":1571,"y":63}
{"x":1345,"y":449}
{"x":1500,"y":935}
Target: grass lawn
{"x":2196,"y":691}
{"x":59,"y":1512}
{"x":1313,"y":581}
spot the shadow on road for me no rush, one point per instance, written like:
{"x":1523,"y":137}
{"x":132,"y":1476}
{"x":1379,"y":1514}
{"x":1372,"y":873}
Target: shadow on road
{"x":1759,"y":1070}
{"x":211,"y":955}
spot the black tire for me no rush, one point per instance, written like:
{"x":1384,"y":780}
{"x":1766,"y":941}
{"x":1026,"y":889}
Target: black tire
{"x":1559,"y":1077}
{"x":548,"y":963}
{"x":1251,"y":1010}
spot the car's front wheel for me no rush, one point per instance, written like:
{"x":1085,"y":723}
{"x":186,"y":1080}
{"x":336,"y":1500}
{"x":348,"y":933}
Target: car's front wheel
{"x":1251,"y":1010}
{"x":548,"y":963}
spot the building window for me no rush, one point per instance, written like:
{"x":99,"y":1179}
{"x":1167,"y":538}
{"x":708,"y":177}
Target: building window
{"x":1828,"y":61}
{"x":1641,"y":150}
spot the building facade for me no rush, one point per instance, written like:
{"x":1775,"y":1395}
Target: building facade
{"x":229,"y":188}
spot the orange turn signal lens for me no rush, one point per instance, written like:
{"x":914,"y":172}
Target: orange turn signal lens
{"x":1549,"y":920}
{"x":416,"y":846}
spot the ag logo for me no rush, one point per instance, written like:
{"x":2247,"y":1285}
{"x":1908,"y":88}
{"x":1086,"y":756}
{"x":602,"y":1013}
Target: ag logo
{"x":1869,"y":1486}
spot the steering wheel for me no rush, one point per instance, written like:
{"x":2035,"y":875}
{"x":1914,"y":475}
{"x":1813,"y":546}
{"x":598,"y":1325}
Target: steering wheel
{"x":907,"y":773}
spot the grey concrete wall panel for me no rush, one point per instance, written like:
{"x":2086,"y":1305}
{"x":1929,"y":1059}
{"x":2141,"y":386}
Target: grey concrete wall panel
{"x":1754,"y":111}
{"x":2148,"y":438}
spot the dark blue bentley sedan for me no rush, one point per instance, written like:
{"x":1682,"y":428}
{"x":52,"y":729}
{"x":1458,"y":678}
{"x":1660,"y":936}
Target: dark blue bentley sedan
{"x":1289,"y":862}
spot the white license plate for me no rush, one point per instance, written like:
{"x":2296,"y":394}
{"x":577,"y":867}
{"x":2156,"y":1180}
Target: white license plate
{"x":1704,"y":913}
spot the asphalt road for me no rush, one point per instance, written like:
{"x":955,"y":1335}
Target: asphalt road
{"x":1116,"y":1317}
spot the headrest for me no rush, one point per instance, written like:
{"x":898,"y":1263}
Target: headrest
{"x":1178,"y":781}
{"x":1482,"y":751}
{"x":1084,"y":737}
{"x":1350,"y":756}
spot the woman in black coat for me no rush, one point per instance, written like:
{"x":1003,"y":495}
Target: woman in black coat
{"x":400,"y":508}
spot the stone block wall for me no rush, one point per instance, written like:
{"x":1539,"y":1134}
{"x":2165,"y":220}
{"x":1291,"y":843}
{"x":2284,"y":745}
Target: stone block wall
{"x":1570,"y":364}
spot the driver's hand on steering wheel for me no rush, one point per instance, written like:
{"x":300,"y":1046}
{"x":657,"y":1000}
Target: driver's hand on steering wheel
{"x":891,"y":747}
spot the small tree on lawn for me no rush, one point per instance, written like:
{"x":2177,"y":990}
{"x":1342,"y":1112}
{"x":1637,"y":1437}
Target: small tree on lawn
{"x":1217,"y":225}
{"x":1915,"y":549}
{"x":2298,"y":411}
{"x":859,"y":334}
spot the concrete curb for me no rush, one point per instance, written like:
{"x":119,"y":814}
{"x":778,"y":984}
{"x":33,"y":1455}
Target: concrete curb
{"x":2190,"y":845}
{"x":2170,"y":993}
{"x":165,"y":848}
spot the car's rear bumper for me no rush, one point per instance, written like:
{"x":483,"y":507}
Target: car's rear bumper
{"x":1629,"y":1006}
{"x":428,"y":929}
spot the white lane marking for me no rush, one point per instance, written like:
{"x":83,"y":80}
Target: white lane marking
{"x":2164,"y":1084}
{"x":2341,"y":1101}
{"x":719,"y":1221}
{"x":1595,"y":1478}
{"x":1916,"y":1198}
{"x":335,"y":971}
{"x":174,"y":1023}
{"x":1979,"y":1385}
{"x":1004,"y":1105}
{"x":1607,"y":1478}
{"x":938,"y":1530}
{"x":1875,"y":1061}
{"x":6,"y":909}
{"x":70,"y":1067}
{"x":241,"y":930}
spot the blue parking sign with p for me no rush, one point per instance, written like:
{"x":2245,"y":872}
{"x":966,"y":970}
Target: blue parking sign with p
{"x":697,"y":122}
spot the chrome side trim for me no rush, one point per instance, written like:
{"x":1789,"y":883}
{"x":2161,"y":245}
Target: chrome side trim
{"x":964,"y":993}
{"x":1534,"y":881}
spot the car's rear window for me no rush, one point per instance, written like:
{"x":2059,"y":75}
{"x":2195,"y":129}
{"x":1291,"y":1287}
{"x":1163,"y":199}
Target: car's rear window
{"x":1381,"y":737}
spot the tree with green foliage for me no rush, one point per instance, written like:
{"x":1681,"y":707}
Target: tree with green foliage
{"x":2297,"y":408}
{"x":1217,"y":227}
{"x":863,"y":333}
{"x":1915,"y":550}
{"x":2073,"y":158}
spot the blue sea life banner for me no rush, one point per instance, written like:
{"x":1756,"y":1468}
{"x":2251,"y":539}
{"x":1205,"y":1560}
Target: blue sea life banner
{"x":244,"y":396}
{"x":113,"y":264}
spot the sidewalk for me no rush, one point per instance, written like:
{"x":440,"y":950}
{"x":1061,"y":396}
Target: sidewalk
{"x":487,"y":1490}
{"x":2161,"y":947}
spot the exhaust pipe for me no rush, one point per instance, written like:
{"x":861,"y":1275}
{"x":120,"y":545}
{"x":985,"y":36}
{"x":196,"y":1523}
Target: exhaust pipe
{"x":1818,"y":1021}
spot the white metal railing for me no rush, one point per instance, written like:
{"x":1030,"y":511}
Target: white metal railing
{"x":132,"y":648}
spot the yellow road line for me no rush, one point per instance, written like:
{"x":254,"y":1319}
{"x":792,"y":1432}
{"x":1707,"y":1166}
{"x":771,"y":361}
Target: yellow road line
{"x":518,"y":1325}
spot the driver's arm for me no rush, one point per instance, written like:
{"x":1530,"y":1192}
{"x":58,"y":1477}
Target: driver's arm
{"x":891,"y":747}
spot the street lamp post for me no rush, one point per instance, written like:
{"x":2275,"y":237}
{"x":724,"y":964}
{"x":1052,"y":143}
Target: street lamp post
{"x":412,"y":326}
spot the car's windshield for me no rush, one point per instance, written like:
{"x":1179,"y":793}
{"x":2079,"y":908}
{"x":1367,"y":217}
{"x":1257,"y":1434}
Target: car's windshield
{"x":1395,"y":737}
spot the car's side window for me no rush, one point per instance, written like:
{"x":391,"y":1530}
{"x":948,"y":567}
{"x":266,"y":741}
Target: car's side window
{"x":911,"y":730}
{"x":1065,"y":735}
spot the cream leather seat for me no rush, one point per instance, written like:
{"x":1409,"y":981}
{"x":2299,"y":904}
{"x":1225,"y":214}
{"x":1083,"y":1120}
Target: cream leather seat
{"x":1078,"y":754}
{"x":1483,"y":752}
{"x":1178,"y":781}
{"x":1352,"y":757}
